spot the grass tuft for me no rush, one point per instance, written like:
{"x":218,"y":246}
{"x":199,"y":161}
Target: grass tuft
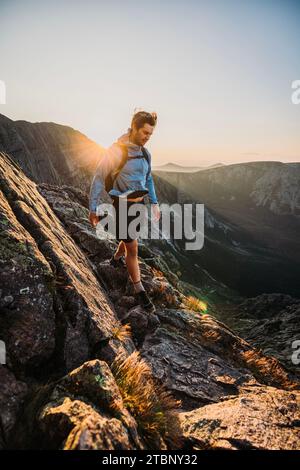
{"x":152,"y":406}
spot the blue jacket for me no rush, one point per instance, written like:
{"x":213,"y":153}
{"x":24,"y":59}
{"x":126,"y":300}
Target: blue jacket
{"x":135,"y":174}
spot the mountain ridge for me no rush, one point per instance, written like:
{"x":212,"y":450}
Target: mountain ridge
{"x":67,"y":315}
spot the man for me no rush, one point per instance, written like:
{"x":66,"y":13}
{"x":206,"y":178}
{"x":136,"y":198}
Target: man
{"x":131,"y":184}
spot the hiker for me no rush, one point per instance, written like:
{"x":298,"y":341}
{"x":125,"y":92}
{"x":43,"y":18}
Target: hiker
{"x":125,"y":172}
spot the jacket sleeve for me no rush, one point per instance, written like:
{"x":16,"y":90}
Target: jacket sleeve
{"x":150,"y":184}
{"x":108,"y":163}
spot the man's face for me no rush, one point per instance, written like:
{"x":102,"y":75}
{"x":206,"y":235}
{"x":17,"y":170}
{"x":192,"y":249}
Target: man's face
{"x":142,"y":135}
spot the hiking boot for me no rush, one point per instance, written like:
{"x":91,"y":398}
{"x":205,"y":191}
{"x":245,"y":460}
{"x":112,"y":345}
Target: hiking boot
{"x":117,"y":263}
{"x":145,"y":301}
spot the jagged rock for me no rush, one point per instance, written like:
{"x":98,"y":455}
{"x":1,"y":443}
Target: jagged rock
{"x":27,"y":318}
{"x":272,"y":324}
{"x":79,"y":427}
{"x":266,"y":305}
{"x":116,"y":280}
{"x":70,"y":205}
{"x":12,"y":396}
{"x":75,"y":408}
{"x":122,"y":304}
{"x":262,"y":418}
{"x":141,"y":323}
{"x":161,"y":259}
{"x":84,"y":317}
{"x":201,"y":360}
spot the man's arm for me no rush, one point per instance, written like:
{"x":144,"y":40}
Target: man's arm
{"x":150,"y":184}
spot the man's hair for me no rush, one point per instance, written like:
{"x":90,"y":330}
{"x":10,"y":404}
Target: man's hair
{"x":142,"y":117}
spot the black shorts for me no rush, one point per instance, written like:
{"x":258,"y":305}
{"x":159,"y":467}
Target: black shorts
{"x":116,"y":204}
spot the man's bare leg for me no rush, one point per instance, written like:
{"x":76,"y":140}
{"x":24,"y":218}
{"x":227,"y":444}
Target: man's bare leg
{"x":131,"y":259}
{"x":135,"y":275}
{"x":120,"y":250}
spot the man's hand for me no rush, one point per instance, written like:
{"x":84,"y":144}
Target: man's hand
{"x":156,"y":212}
{"x":94,"y":219}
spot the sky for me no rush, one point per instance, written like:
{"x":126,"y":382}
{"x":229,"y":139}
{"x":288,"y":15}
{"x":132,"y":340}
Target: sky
{"x":218,"y":73}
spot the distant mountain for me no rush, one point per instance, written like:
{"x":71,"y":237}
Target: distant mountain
{"x":180,"y":168}
{"x":252,"y":223}
{"x":175,"y":167}
{"x":269,"y":186}
{"x":49,"y":152}
{"x":215,"y":165}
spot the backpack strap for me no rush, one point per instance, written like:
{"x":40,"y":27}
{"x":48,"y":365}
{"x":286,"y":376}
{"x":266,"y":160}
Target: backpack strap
{"x":147,"y":156}
{"x":110,"y":178}
{"x":122,"y":162}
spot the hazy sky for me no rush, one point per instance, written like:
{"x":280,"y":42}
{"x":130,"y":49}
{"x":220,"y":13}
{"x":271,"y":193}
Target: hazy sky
{"x":218,"y":73}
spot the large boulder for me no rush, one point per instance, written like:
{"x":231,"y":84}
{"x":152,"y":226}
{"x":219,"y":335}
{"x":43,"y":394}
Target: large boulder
{"x":201,"y":360}
{"x":83,"y":409}
{"x":261,"y":418}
